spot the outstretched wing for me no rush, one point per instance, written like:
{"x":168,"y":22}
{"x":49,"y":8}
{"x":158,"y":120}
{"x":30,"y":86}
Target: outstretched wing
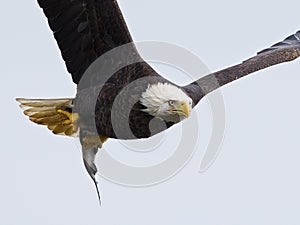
{"x":84,"y":30}
{"x":290,"y":41}
{"x":284,"y":51}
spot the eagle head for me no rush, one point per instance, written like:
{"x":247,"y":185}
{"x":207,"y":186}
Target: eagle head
{"x":167,"y":102}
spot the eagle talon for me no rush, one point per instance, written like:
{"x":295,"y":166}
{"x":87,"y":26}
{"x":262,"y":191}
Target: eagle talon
{"x":72,"y":117}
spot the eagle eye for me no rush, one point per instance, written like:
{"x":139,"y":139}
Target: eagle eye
{"x":171,"y":102}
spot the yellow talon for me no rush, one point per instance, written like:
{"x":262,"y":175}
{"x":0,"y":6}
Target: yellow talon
{"x":72,"y":117}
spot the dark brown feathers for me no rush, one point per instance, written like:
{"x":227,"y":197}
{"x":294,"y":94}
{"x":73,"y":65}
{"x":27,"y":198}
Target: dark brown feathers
{"x":285,"y":51}
{"x":291,"y":41}
{"x":84,"y":30}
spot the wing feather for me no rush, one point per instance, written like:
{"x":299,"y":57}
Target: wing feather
{"x":85,"y":30}
{"x":284,"y":51}
{"x":292,"y":40}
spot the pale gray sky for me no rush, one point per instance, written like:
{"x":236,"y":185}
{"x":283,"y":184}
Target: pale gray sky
{"x":253,"y":181}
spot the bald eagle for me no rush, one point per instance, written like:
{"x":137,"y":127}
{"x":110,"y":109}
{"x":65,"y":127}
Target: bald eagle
{"x":119,"y":95}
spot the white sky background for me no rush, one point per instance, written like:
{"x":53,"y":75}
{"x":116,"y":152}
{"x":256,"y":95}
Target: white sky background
{"x":255,"y":179}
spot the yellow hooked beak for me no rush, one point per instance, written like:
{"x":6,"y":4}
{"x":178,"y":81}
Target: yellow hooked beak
{"x":182,"y":108}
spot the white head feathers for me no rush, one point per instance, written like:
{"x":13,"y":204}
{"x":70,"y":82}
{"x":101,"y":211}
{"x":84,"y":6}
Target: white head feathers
{"x":157,"y":96}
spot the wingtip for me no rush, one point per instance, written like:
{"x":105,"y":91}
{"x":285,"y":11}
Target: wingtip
{"x":292,"y":40}
{"x":92,"y":170}
{"x":97,"y":189}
